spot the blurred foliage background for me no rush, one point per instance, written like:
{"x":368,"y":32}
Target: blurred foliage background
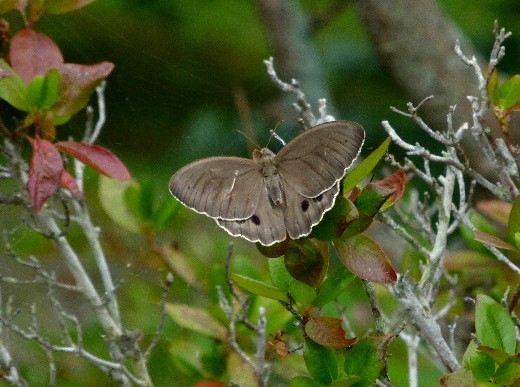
{"x":185,"y":72}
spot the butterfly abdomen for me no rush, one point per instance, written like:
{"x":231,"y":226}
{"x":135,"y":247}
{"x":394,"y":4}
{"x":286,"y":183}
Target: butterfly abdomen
{"x":274,"y":189}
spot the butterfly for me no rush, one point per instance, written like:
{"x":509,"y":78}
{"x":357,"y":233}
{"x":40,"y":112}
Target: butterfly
{"x":272,"y":195}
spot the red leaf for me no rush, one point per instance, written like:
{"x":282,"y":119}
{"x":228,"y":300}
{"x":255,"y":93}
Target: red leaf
{"x":96,"y":157}
{"x":45,"y":172}
{"x":396,"y":181}
{"x":68,"y":181}
{"x":363,"y":257}
{"x":328,"y":331}
{"x":77,"y":83}
{"x":33,"y":53}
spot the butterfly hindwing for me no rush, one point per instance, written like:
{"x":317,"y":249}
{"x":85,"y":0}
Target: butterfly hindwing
{"x":266,"y":225}
{"x":302,"y":213}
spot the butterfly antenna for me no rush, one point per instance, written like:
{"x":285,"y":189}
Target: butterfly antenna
{"x":275,"y":135}
{"x":246,"y":136}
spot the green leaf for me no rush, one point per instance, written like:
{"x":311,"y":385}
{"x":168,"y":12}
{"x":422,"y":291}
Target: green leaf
{"x":304,"y":381}
{"x":259,"y":288}
{"x":336,"y":220}
{"x":164,"y":215}
{"x":462,"y":378}
{"x":302,"y":293}
{"x":321,"y":362}
{"x":111,"y":194}
{"x":333,"y":286}
{"x":43,"y":91}
{"x":494,"y":326}
{"x":365,"y":167}
{"x":305,"y":262}
{"x":509,"y":93}
{"x":480,"y":364}
{"x":363,"y":256}
{"x":13,"y":89}
{"x":492,"y":88}
{"x":363,"y":360}
{"x":279,"y":274}
{"x":146,"y":200}
{"x":196,"y":319}
{"x":507,"y":373}
{"x":498,"y":356}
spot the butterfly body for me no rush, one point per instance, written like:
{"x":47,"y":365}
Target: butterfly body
{"x":264,"y":199}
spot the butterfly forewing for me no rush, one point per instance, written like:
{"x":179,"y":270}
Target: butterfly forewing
{"x":220,"y":187}
{"x":315,"y":160}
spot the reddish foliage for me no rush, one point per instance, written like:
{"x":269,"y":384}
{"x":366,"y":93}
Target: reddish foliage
{"x":77,"y":82}
{"x":68,"y":181}
{"x":328,"y":331}
{"x":33,"y":53}
{"x":45,"y":172}
{"x":210,"y":383}
{"x":363,"y":257}
{"x":96,"y":157}
{"x":395,"y":183}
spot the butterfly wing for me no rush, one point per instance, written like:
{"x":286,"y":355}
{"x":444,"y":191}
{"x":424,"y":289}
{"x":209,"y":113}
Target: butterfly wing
{"x":266,"y":225}
{"x":220,"y":187}
{"x":318,"y":158}
{"x":302,"y":213}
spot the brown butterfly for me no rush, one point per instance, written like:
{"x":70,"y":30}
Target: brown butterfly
{"x":272,"y":195}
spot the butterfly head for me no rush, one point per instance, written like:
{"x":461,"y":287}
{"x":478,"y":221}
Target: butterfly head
{"x":263,"y":155}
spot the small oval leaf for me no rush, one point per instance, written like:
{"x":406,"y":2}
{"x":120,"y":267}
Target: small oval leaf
{"x":362,"y":256}
{"x":196,"y":319}
{"x":329,"y":332}
{"x":321,"y":362}
{"x":259,"y":288}
{"x":494,"y":326}
{"x":33,"y":53}
{"x":305,"y":262}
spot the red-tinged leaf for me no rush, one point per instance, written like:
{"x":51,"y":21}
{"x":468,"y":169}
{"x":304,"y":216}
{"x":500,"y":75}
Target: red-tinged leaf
{"x":363,"y":256}
{"x":68,"y":181}
{"x":33,"y":53}
{"x":328,"y":331}
{"x":305,"y":262}
{"x":497,"y":210}
{"x":96,"y":157}
{"x":491,"y":240}
{"x":64,"y":6}
{"x":469,"y":260}
{"x":279,"y":344}
{"x":77,"y":83}
{"x":211,"y":383}
{"x":45,"y":172}
{"x":397,"y":182}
